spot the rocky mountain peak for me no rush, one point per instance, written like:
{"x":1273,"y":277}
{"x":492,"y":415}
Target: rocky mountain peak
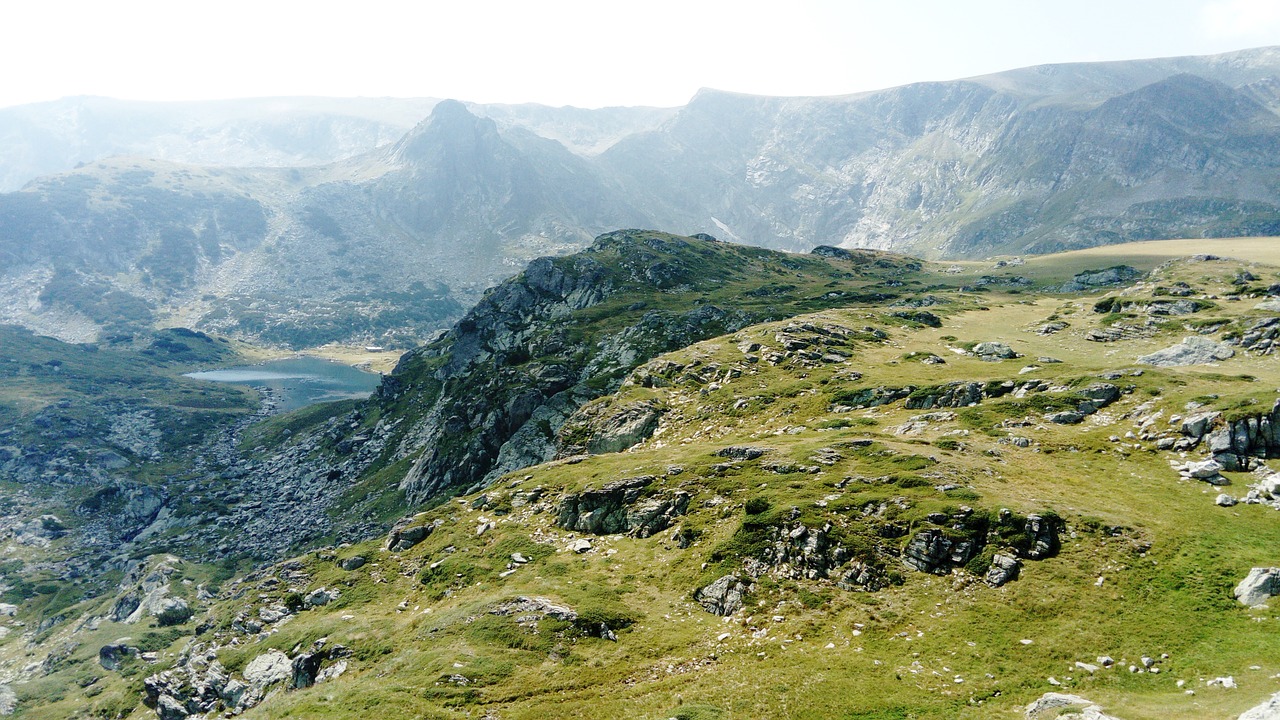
{"x":450,"y":130}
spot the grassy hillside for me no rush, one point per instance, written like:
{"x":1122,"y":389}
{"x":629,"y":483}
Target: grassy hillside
{"x":1143,"y":566}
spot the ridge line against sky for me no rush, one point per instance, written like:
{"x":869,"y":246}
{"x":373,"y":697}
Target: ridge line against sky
{"x":573,"y":52}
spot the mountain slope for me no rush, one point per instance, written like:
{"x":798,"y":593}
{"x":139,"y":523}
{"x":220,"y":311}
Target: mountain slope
{"x":860,"y":509}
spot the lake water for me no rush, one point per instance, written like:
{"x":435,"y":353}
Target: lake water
{"x":298,"y":382}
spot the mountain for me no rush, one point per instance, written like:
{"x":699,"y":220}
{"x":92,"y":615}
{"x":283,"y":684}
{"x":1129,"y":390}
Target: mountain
{"x":391,"y":244}
{"x":674,"y":477}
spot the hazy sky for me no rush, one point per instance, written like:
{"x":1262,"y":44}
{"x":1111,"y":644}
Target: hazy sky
{"x":589,"y":54}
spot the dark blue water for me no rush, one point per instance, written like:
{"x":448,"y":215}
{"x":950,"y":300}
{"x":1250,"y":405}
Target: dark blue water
{"x":298,"y":382}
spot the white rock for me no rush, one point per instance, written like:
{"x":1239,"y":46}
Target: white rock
{"x":1258,"y":586}
{"x":1269,"y":709}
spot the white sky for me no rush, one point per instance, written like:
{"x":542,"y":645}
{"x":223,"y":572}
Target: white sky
{"x":589,"y":54}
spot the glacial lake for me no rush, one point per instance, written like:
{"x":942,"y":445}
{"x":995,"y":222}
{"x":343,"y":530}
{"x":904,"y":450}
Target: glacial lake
{"x":298,"y":382}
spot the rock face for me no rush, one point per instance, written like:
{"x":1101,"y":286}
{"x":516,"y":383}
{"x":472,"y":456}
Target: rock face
{"x":496,"y":390}
{"x":1233,"y":444}
{"x":1193,"y":350}
{"x":1258,"y":587}
{"x":625,"y":426}
{"x":620,"y":507}
{"x":931,"y":551}
{"x":724,"y":596}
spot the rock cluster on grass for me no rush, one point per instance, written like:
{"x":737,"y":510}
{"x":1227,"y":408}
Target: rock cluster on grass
{"x":724,"y":596}
{"x":1061,"y":706}
{"x":622,"y":507}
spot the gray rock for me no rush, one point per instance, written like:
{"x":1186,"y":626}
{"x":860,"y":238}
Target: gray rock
{"x":994,"y":351}
{"x":1195,"y":426}
{"x":1259,"y":586}
{"x":1193,"y":350}
{"x":620,"y":507}
{"x":268,"y":668}
{"x":1204,"y":470}
{"x":111,"y":656}
{"x":722,"y":597}
{"x":1043,"y":533}
{"x":172,"y":611}
{"x":1061,"y":706}
{"x":320,"y":596}
{"x":8,"y":610}
{"x":742,"y":452}
{"x":353,"y":563}
{"x":1268,"y":709}
{"x":933,"y":552}
{"x":525,"y":609}
{"x":1065,"y":417}
{"x":1224,"y":500}
{"x":580,"y":545}
{"x":8,"y":700}
{"x":1004,"y":568}
{"x":409,"y":532}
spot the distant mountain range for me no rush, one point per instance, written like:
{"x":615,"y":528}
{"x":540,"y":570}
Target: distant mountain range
{"x":301,"y":221}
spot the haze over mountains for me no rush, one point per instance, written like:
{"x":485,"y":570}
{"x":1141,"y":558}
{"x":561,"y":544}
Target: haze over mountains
{"x":358,"y":216}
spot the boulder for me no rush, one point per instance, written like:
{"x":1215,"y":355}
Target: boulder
{"x":268,"y":669}
{"x":742,"y":452}
{"x":1195,"y":426}
{"x":1061,"y":706}
{"x":1204,"y":470}
{"x":172,"y":611}
{"x":526,"y":609}
{"x":994,"y":351}
{"x":1004,"y":568}
{"x":724,"y":596}
{"x":320,"y":596}
{"x":1259,"y":586}
{"x":409,"y":532}
{"x":1066,"y":417}
{"x":112,"y":656}
{"x":353,"y":563}
{"x":1268,"y":709}
{"x":1193,"y":350}
{"x":8,"y":700}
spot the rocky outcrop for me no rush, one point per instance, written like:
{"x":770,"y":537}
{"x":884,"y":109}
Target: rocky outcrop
{"x":1234,"y":443}
{"x":1093,"y":279}
{"x":603,"y":428}
{"x":1193,"y":350}
{"x":404,"y":534}
{"x":200,"y":686}
{"x":622,"y":507}
{"x":529,"y":610}
{"x":1004,"y":568}
{"x":965,"y":534}
{"x":492,"y":395}
{"x":724,"y":596}
{"x":931,"y":551}
{"x":796,"y":551}
{"x":1258,"y":587}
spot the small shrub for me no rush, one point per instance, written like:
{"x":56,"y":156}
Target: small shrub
{"x":757,"y":505}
